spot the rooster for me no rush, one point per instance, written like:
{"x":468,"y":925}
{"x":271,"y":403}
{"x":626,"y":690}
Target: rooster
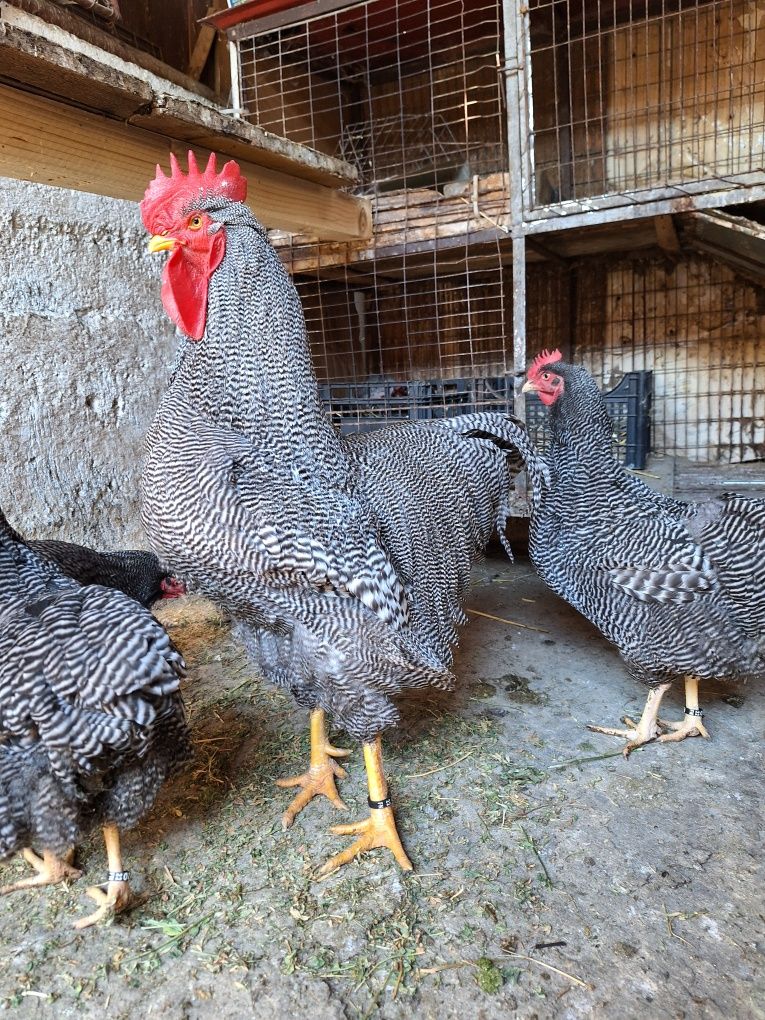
{"x":343,"y":561}
{"x":679,"y":588}
{"x":135,"y":572}
{"x":91,"y":719}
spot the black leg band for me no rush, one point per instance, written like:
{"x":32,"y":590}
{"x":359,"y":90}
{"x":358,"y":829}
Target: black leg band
{"x":695,"y":711}
{"x":378,"y":804}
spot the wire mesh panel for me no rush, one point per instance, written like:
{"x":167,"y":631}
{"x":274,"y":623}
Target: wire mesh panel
{"x":701,"y":330}
{"x":412,"y":93}
{"x":635,"y":95}
{"x":408,"y":90}
{"x":628,"y":97}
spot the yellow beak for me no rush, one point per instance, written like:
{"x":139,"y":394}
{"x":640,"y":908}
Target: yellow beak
{"x":529,"y":387}
{"x":159,"y":242}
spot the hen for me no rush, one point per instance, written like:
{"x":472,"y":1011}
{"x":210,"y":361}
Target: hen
{"x":135,"y":572}
{"x":91,"y":719}
{"x":679,"y":588}
{"x":343,"y":561}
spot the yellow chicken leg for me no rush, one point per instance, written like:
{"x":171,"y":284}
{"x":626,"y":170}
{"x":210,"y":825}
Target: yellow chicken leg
{"x":691,"y":724}
{"x":644,"y":731}
{"x":321,"y":775}
{"x":50,"y":870}
{"x":118,"y":895}
{"x":379,"y":829}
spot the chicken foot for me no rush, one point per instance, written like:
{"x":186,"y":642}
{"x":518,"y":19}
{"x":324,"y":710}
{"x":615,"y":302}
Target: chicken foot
{"x":379,"y":830}
{"x":691,"y":725}
{"x":118,"y":895}
{"x":50,"y":870}
{"x":644,"y":731}
{"x":321,"y":774}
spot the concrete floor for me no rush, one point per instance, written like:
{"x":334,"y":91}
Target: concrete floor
{"x":553,"y":878}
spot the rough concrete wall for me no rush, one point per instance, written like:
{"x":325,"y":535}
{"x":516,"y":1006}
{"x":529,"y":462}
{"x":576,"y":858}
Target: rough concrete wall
{"x":85,"y":349}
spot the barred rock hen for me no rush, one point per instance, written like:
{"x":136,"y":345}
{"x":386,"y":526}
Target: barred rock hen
{"x":343,"y":561}
{"x":91,"y":720}
{"x":135,"y":572}
{"x":679,"y":588}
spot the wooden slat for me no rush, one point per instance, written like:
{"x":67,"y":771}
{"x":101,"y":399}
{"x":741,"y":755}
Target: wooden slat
{"x":734,"y":240}
{"x":49,"y":143}
{"x":666,"y":235}
{"x":43,"y":58}
{"x":202,"y":45}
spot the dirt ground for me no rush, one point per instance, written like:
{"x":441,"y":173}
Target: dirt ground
{"x":553,"y":878}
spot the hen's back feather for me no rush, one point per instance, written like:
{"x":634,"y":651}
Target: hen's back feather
{"x":91,"y":720}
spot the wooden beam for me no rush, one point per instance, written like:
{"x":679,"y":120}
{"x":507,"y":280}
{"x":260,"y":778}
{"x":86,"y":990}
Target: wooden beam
{"x":666,"y":235}
{"x":42,"y":58}
{"x":50,"y":143}
{"x":734,"y":240}
{"x":203,"y":45}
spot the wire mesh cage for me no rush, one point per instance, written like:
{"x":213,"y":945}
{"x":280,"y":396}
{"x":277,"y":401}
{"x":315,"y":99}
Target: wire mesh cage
{"x":635,"y":95}
{"x":628,"y":103}
{"x":412,"y":93}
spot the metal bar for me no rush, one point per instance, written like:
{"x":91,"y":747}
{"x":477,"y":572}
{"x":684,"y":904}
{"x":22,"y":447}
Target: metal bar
{"x":237,"y":99}
{"x":611,"y":214}
{"x":290,"y":17}
{"x":519,"y":132}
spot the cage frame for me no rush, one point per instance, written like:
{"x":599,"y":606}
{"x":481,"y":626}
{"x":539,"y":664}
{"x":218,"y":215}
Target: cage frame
{"x":528,"y":221}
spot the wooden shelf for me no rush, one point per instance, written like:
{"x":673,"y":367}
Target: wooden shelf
{"x":466,"y":227}
{"x":75,"y":116}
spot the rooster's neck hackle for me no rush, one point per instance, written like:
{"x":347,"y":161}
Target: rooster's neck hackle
{"x":252,"y":370}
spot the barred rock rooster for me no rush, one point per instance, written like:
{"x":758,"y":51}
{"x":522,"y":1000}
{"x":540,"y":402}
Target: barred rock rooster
{"x":135,"y":572}
{"x":91,"y":719}
{"x":344,"y":561}
{"x":679,"y":588}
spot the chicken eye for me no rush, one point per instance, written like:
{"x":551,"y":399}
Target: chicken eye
{"x":545,"y":375}
{"x":195,"y":222}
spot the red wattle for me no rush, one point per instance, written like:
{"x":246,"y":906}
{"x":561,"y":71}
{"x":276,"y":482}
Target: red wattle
{"x":185,"y":282}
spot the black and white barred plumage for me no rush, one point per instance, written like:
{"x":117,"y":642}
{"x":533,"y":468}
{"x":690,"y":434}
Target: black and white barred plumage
{"x":344,"y":561}
{"x":136,"y":572}
{"x":91,"y":719}
{"x":678,"y":588}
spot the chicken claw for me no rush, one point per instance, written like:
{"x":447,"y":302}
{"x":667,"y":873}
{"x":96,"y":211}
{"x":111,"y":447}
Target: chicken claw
{"x":117,"y":897}
{"x":321,"y":775}
{"x":50,"y":870}
{"x":690,"y":726}
{"x":379,"y":830}
{"x":642,"y":732}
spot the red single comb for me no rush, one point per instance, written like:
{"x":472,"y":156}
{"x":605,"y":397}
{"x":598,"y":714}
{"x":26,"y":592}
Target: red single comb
{"x":180,"y":188}
{"x":542,"y":359}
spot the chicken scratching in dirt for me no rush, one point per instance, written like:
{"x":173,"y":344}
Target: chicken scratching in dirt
{"x":91,"y":719}
{"x":343,"y":560}
{"x":679,"y":588}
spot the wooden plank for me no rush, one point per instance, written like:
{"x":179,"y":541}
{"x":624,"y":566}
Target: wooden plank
{"x":49,"y":143}
{"x":735,"y":240}
{"x":666,"y":235}
{"x":47,"y":59}
{"x":202,"y":45}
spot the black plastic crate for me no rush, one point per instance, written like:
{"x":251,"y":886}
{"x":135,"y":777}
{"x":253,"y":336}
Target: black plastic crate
{"x":362,"y":407}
